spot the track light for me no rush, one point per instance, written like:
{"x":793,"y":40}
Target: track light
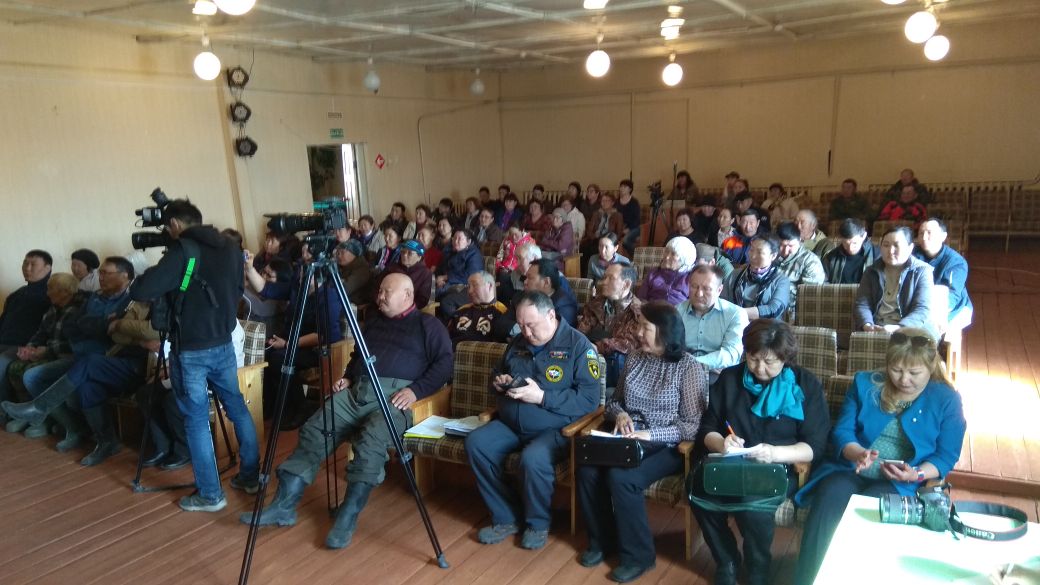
{"x":245,"y":146}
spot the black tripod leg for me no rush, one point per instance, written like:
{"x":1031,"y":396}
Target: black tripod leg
{"x":232,"y":456}
{"x":328,"y":417}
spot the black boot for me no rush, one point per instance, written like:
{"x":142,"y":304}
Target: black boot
{"x":282,"y":509}
{"x":346,"y":518}
{"x":100,"y":422}
{"x":74,"y":430}
{"x":36,"y":411}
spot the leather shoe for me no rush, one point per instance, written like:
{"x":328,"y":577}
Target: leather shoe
{"x":155,"y":459}
{"x":175,"y":461}
{"x":626,"y":573}
{"x":591,"y":558}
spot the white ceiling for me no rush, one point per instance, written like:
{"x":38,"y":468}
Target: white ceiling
{"x":497,"y":34}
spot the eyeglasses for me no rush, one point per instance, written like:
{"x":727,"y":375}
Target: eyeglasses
{"x":914,"y":340}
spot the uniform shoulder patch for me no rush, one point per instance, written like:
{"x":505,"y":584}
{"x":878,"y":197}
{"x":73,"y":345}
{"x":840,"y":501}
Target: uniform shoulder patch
{"x":594,"y":369}
{"x":591,"y":354}
{"x":554,"y":374}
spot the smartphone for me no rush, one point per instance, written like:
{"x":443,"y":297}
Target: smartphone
{"x":517,"y":382}
{"x":894,"y":461}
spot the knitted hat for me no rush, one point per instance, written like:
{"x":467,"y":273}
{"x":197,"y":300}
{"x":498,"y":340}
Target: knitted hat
{"x":87,"y":257}
{"x":415,"y":246}
{"x":353,"y":246}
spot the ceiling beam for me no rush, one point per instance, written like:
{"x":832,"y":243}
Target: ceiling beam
{"x":746,"y":14}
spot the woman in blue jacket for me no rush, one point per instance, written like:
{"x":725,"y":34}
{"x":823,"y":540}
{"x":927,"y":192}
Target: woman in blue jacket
{"x":897,"y":429}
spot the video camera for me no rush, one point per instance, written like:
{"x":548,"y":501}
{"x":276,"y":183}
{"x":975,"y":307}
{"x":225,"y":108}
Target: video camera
{"x":656,"y":194}
{"x":329,"y":215}
{"x":152,"y":217}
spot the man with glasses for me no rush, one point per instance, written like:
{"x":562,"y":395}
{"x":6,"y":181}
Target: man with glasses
{"x":714,"y":326}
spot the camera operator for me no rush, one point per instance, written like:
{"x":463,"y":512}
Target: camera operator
{"x":200,"y":278}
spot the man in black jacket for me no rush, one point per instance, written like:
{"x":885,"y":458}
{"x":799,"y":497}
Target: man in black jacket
{"x":23,"y":311}
{"x":200,"y":277}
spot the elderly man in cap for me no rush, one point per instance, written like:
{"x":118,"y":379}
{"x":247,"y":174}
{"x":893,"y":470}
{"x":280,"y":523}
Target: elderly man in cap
{"x":480,"y":319}
{"x":354,"y":270}
{"x":411,"y":265}
{"x":611,"y":318}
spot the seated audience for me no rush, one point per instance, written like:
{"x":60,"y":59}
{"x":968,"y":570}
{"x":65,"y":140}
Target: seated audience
{"x":371,"y":239}
{"x":907,"y":179}
{"x":445,"y":231}
{"x":85,"y":264}
{"x":487,"y":200}
{"x":558,"y":241}
{"x":778,"y":410}
{"x":354,"y":271}
{"x":723,"y":228}
{"x":704,"y":218}
{"x":446,"y":210}
{"x":896,"y":290}
{"x":422,"y":219}
{"x":487,"y":235}
{"x":471,"y":220}
{"x":906,"y":208}
{"x":463,"y":260}
{"x":573,"y":215}
{"x":538,"y":193}
{"x":780,"y":205}
{"x":397,"y":219}
{"x":608,"y":254}
{"x":536,"y":222}
{"x":683,"y":223}
{"x":269,"y":311}
{"x":631,"y":216}
{"x":811,"y":236}
{"x":434,"y":254}
{"x":411,"y":265}
{"x":712,"y":256}
{"x":898,"y":428}
{"x":23,"y":312}
{"x":685,"y":189}
{"x":760,"y":287}
{"x":729,"y":190}
{"x":413,"y":359}
{"x":551,"y":393}
{"x":949,"y":269}
{"x":670,"y":280}
{"x":714,"y":326}
{"x":511,"y":214}
{"x":736,"y":246}
{"x":611,"y":318}
{"x":850,"y":205}
{"x":589,"y":203}
{"x":846,"y":263}
{"x":798,"y":263}
{"x":507,"y":258}
{"x":544,"y":276}
{"x":605,"y":220}
{"x":476,"y":320}
{"x":745,"y":201}
{"x":388,"y":254}
{"x":277,"y":246}
{"x":660,"y":401}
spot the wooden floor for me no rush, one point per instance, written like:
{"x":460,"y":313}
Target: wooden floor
{"x":62,"y":523}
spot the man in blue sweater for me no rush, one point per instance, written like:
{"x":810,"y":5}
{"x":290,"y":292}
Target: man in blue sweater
{"x":413,"y":359}
{"x":23,"y":311}
{"x":950,"y":269}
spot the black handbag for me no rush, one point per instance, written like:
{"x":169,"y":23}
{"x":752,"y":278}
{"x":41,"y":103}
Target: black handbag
{"x":608,"y":451}
{"x":761,"y":487}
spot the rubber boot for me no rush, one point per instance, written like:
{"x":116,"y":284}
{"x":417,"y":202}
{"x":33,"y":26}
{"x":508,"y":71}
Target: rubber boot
{"x":346,"y":517}
{"x":107,"y":443}
{"x":35,"y":411}
{"x":73,"y":429}
{"x":282,"y":509}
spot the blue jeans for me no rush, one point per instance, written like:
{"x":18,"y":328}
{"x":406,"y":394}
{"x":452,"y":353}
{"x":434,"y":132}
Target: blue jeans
{"x":191,"y":373}
{"x":8,"y":354}
{"x":41,"y":377}
{"x":631,"y":239}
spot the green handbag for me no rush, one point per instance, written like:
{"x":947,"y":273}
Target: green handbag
{"x":763,"y":486}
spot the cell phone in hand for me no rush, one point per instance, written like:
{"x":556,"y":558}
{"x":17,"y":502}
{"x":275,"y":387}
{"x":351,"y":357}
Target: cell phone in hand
{"x":517,"y":382}
{"x":899,"y":462}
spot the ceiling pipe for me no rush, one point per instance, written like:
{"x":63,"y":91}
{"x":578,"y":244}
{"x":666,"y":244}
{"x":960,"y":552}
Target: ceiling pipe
{"x":749,"y":15}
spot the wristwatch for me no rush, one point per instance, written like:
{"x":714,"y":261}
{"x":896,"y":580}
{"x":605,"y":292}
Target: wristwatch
{"x":920,"y":474}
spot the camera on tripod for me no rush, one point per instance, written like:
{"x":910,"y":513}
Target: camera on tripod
{"x":656,"y":194}
{"x":329,"y":215}
{"x":930,"y":508}
{"x":152,"y":217}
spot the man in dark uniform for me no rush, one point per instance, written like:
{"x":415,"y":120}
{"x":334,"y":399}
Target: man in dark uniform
{"x":413,"y":359}
{"x":547,"y":379}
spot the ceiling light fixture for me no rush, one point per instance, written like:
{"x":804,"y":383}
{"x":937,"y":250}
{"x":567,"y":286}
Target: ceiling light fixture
{"x":204,"y":8}
{"x":598,"y":62}
{"x":674,"y":11}
{"x":670,"y":28}
{"x":477,"y":87}
{"x":920,"y":26}
{"x":672,"y":73}
{"x":235,"y":7}
{"x":594,"y":4}
{"x":207,"y":65}
{"x":893,"y":2}
{"x":936,"y":48}
{"x":372,"y":81}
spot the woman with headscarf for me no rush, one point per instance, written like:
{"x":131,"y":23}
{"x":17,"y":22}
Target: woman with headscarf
{"x":670,"y":281}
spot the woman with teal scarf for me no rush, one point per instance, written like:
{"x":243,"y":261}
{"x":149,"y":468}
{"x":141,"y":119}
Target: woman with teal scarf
{"x":777,"y":409}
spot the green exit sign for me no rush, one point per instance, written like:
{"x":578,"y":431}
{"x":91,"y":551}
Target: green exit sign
{"x":335,"y":133}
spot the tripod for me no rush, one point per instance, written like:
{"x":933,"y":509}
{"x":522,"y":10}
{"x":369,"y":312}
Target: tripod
{"x":323,"y":268}
{"x":146,"y":434}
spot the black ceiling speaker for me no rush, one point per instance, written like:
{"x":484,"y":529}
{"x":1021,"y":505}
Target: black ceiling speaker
{"x":245,"y":146}
{"x":237,"y":77}
{"x":239,"y":112}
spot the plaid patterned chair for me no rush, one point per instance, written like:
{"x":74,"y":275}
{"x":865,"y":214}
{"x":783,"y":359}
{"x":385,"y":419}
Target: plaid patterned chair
{"x":817,"y":351}
{"x":646,"y":257}
{"x":468,"y":395}
{"x":582,"y":289}
{"x":881,"y":226}
{"x":489,"y":264}
{"x":834,"y":390}
{"x":867,"y":351}
{"x":828,"y":305}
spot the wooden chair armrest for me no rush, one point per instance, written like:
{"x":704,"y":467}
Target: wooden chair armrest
{"x":434,"y":404}
{"x":803,"y":472}
{"x":573,"y":428}
{"x":256,"y":366}
{"x":685,"y":449}
{"x":487,"y":415}
{"x":595,"y":423}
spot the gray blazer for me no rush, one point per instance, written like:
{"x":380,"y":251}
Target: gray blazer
{"x":915,"y":295}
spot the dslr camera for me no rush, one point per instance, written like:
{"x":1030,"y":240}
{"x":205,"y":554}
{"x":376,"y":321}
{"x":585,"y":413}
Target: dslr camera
{"x":930,"y":508}
{"x":152,"y":217}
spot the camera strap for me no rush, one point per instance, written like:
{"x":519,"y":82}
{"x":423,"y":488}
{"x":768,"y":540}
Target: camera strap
{"x":990,"y":509}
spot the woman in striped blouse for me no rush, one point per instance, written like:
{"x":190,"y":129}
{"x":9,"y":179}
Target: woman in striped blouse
{"x":659,"y":399}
